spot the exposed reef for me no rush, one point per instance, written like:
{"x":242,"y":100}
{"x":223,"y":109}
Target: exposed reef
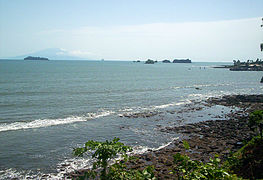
{"x":205,"y":138}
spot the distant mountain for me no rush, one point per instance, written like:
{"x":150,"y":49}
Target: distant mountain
{"x":55,"y":54}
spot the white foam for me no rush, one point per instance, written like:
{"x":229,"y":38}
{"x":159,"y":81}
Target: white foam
{"x":51,"y":122}
{"x":164,"y":106}
{"x":99,"y":114}
{"x":135,"y":110}
{"x":165,"y":145}
{"x":14,"y":174}
{"x":202,"y":85}
{"x":75,"y":164}
{"x":69,"y":165}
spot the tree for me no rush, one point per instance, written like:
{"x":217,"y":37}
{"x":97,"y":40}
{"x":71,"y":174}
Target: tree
{"x":235,"y":62}
{"x":104,"y":152}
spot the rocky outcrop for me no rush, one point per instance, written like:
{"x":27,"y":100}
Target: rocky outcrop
{"x":205,"y":138}
{"x":261,"y":80}
{"x":182,"y":61}
{"x":166,"y":61}
{"x":149,"y":61}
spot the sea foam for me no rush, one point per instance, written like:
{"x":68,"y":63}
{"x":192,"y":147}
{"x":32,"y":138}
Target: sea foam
{"x":52,"y":122}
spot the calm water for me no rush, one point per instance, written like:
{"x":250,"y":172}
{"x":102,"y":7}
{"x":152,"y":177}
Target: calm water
{"x":49,"y":107}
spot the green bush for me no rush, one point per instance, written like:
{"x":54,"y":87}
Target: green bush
{"x":256,"y":121}
{"x":185,"y":168}
{"x":248,"y":161}
{"x":103,"y":153}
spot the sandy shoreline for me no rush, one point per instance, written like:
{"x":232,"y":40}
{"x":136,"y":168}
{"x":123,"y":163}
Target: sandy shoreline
{"x":205,"y":138}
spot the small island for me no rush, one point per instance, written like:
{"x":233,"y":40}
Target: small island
{"x":182,"y":61}
{"x":149,"y":61}
{"x":166,"y":61}
{"x":36,"y":58}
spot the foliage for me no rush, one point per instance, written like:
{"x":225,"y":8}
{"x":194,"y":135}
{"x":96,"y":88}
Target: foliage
{"x":186,"y":145}
{"x":248,"y":161}
{"x":185,"y":168}
{"x":256,"y":121}
{"x":106,"y":151}
{"x":120,"y":171}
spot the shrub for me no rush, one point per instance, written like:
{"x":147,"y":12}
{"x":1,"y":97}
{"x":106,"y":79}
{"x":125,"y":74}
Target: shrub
{"x":103,"y":153}
{"x":185,"y":168}
{"x":256,"y":121}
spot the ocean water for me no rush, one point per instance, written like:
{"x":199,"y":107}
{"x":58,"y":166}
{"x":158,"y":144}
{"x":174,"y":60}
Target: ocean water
{"x":49,"y":107}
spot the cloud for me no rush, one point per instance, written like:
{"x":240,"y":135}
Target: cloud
{"x":204,"y":41}
{"x":80,"y":53}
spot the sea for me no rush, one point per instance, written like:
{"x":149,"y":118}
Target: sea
{"x":48,"y":108}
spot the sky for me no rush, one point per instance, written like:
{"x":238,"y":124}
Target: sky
{"x":201,"y":30}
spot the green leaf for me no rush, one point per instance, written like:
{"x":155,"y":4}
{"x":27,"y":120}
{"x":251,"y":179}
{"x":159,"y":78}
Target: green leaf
{"x":186,"y":145}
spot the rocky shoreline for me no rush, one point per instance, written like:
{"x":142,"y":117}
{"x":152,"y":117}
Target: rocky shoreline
{"x":205,"y":138}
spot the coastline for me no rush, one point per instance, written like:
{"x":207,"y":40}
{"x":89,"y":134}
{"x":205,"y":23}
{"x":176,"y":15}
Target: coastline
{"x":206,"y":138}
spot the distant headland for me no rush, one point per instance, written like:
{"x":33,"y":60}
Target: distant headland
{"x":36,"y":58}
{"x":249,"y":65}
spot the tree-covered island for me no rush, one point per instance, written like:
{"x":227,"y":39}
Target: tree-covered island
{"x":35,"y":58}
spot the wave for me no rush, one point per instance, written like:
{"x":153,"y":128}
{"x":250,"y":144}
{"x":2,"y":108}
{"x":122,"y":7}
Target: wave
{"x":51,"y":122}
{"x":39,"y":123}
{"x":70,"y":165}
{"x":15,"y":174}
{"x":144,"y":110}
{"x":201,"y":86}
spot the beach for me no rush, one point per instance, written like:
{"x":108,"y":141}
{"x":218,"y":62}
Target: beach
{"x":206,"y":139}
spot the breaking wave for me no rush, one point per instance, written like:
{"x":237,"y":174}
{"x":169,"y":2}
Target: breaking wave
{"x":51,"y":122}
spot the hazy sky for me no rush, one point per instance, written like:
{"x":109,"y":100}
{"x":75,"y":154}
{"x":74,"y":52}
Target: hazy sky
{"x":202,"y":30}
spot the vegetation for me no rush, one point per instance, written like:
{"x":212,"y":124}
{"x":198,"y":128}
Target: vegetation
{"x":103,"y":153}
{"x":149,"y":61}
{"x":35,"y":58}
{"x":256,"y":121}
{"x":246,"y":163}
{"x":185,"y":168}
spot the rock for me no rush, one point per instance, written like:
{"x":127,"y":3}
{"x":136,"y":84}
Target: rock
{"x":166,"y":61}
{"x":149,"y":61}
{"x":182,"y":61}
